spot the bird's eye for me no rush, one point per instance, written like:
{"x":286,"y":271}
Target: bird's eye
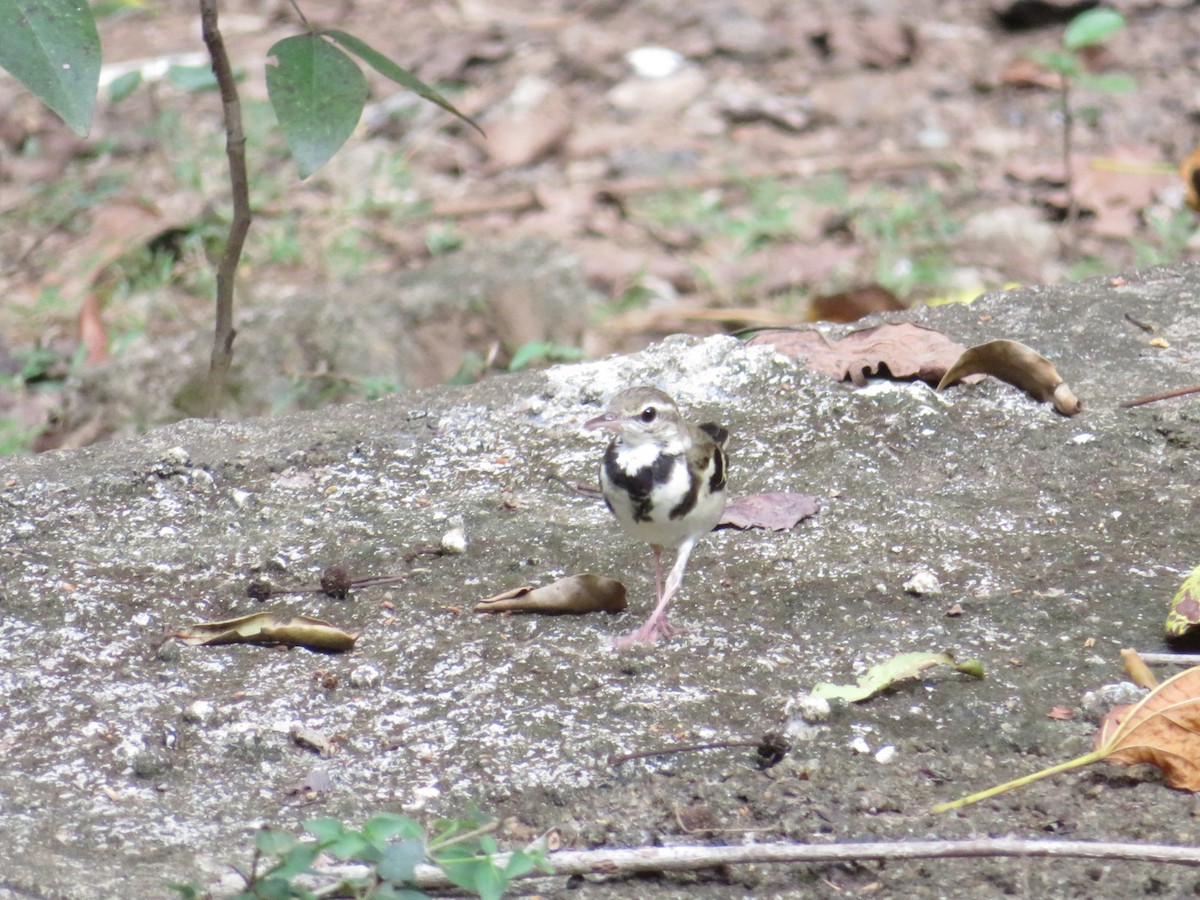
{"x":649,"y":414}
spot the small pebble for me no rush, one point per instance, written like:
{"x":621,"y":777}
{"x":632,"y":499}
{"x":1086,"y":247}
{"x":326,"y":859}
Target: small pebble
{"x":923,"y":583}
{"x":455,"y":541}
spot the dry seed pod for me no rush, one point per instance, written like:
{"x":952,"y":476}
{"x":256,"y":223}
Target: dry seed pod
{"x":1018,"y":365}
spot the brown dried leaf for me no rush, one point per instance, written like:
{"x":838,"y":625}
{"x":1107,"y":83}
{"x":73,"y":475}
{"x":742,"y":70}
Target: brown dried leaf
{"x":268,"y":628}
{"x":576,"y":594}
{"x":1137,"y":670}
{"x":900,"y":351}
{"x":774,"y":511}
{"x":1163,"y":729}
{"x":1018,"y":365}
{"x":854,"y":304}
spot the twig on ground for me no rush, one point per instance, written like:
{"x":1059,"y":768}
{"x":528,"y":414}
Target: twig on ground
{"x":1170,"y":659}
{"x":1154,"y":398}
{"x":636,"y":860}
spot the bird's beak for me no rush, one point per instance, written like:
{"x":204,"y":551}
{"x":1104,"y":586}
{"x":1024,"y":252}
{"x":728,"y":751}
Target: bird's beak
{"x":608,"y":421}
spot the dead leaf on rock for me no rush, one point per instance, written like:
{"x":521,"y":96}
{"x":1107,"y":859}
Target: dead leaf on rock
{"x":311,"y":739}
{"x":1135,"y":667}
{"x":575,"y":594}
{"x":268,"y":628}
{"x":774,"y":511}
{"x":1183,"y":619}
{"x":1018,"y":365}
{"x":854,"y":304}
{"x":901,"y":667}
{"x":898,"y":351}
{"x":1162,"y":730}
{"x":1119,"y":187}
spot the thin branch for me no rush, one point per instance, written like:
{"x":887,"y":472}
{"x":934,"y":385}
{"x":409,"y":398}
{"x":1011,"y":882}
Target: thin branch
{"x":235,"y":149}
{"x":635,"y":860}
{"x":1154,"y":398}
{"x":300,"y":13}
{"x":1170,"y":659}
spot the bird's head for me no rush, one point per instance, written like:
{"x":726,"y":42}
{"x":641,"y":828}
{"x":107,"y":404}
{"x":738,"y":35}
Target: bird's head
{"x":640,"y":415}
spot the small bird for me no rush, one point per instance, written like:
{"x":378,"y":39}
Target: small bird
{"x":664,"y":480}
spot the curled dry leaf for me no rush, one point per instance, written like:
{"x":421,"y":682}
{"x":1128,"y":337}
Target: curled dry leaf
{"x":897,"y":351}
{"x":1162,"y":730}
{"x":268,"y":628}
{"x":1183,"y":619}
{"x":774,"y":511}
{"x":1018,"y":365}
{"x":1137,"y":670}
{"x":577,"y":594}
{"x":901,"y":667}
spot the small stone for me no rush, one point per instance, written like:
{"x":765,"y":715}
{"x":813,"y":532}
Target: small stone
{"x":923,"y":583}
{"x":654,"y":62}
{"x":455,"y":541}
{"x":809,"y":707}
{"x":860,"y":745}
{"x":365,"y":677}
{"x":201,"y":712}
{"x":885,"y":754}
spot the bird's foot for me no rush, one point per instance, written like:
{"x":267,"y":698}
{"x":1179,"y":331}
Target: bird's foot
{"x":648,"y":634}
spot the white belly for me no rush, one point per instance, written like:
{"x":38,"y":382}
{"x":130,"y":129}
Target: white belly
{"x":657,"y":527}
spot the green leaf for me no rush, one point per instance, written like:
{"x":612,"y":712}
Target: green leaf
{"x":274,"y":843}
{"x":51,"y":47}
{"x":461,"y":869}
{"x":318,"y":94}
{"x":519,"y":862}
{"x":124,"y":85}
{"x":192,"y":79}
{"x":325,"y":828}
{"x":352,"y":845}
{"x":382,"y":826}
{"x":1092,"y":27}
{"x":402,"y":77}
{"x":1057,"y":61}
{"x":1109,"y":83}
{"x":296,"y":861}
{"x":490,"y":882}
{"x":400,"y":860}
{"x":885,"y":674}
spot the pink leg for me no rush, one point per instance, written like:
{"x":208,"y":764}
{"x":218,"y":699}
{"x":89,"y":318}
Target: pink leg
{"x":657,"y":625}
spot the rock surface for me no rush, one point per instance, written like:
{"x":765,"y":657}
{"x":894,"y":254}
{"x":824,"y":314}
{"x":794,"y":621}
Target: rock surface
{"x":127,"y":763}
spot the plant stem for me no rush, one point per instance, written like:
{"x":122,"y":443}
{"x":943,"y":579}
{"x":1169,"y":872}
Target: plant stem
{"x":235,"y":149}
{"x":1086,"y":760}
{"x":434,"y":846}
{"x":1068,"y":155}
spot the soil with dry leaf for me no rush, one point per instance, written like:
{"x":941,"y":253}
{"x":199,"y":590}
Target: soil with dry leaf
{"x":763,"y":174}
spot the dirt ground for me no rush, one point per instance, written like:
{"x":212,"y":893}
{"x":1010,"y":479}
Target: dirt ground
{"x":793,"y":151}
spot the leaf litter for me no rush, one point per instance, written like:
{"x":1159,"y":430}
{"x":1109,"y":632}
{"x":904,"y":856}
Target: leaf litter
{"x":901,"y":667}
{"x":269,"y":628}
{"x":1162,"y":730}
